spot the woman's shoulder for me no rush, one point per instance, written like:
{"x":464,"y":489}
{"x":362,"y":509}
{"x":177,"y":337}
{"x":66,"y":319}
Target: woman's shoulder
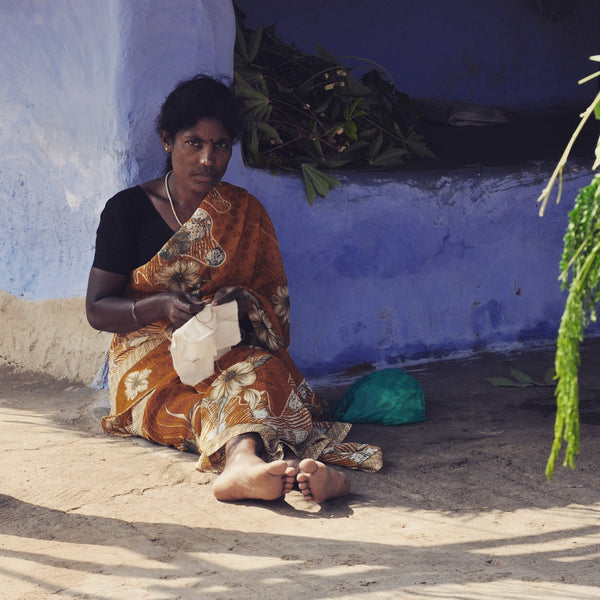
{"x":233,"y":192}
{"x":128,"y":200}
{"x":129,"y":195}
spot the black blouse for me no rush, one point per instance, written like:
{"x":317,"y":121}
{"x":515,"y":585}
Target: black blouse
{"x":130,"y":233}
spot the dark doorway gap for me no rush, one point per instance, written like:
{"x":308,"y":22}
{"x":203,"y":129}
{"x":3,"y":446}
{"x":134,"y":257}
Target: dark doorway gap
{"x":528,"y":136}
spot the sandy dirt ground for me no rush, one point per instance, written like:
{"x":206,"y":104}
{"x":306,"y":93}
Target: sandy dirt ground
{"x":461,"y":509}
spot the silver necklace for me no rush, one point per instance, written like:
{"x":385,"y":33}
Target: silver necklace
{"x":171,"y":199}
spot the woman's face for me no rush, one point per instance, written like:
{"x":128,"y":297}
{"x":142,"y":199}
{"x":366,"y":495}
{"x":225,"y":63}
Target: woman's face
{"x":199,"y":155}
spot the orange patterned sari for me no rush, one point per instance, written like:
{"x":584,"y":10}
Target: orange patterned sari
{"x":256,"y":387}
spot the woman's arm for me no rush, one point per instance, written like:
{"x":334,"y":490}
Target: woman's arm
{"x":107,"y":308}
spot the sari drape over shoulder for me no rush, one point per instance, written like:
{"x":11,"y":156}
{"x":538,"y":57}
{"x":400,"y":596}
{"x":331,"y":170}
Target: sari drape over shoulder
{"x":256,"y":387}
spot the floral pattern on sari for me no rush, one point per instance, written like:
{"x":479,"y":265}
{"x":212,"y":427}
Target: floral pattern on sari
{"x":256,"y":387}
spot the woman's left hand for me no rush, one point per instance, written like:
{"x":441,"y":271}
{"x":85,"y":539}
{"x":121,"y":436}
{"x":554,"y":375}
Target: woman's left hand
{"x":228,"y":294}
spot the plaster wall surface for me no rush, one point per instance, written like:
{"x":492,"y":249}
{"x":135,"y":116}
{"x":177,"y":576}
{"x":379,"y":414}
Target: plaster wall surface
{"x":81,"y":84}
{"x":394,"y":268}
{"x":60,"y":138}
{"x":388,"y":268}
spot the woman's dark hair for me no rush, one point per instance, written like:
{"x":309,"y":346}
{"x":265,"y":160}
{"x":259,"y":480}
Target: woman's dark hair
{"x":200,"y":97}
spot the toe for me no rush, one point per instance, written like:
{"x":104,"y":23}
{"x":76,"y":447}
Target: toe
{"x":277,"y":467}
{"x":308,"y":465}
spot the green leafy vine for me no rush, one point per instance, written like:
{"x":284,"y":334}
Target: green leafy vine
{"x":580,"y":276}
{"x":306,"y":113}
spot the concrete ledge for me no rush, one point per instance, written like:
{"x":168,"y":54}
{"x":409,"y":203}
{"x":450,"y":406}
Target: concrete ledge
{"x":408,"y":266}
{"x":51,"y":337}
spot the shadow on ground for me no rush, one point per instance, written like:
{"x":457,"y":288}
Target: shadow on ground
{"x":150,"y":540}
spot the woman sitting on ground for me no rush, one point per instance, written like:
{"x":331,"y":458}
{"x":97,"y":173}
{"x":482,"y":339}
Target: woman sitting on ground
{"x":164,"y":250}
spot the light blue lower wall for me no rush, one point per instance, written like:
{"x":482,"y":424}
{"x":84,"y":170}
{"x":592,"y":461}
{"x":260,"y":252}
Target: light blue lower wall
{"x":419,"y":265}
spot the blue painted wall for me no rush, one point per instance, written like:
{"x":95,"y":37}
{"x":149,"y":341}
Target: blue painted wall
{"x":386,"y":269}
{"x":394,"y":268}
{"x":82,"y":82}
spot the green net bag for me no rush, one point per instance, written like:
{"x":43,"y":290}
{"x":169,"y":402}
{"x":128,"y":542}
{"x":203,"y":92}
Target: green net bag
{"x":389,"y":396}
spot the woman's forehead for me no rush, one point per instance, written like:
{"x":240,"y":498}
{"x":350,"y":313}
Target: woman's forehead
{"x":207,"y":129}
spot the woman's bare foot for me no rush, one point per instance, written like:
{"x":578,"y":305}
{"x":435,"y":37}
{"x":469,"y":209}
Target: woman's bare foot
{"x":290,"y":474}
{"x":247,"y":476}
{"x":318,"y":482}
{"x":250,"y":477}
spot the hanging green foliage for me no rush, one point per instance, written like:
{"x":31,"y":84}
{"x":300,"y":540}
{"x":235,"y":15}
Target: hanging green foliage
{"x":580,"y":276}
{"x":306,"y":113}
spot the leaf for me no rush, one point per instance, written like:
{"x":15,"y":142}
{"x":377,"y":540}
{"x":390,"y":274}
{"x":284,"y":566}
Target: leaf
{"x":254,"y":102}
{"x":244,"y":89}
{"x":522,"y":377}
{"x":349,"y":110}
{"x":262,"y":85}
{"x":355,"y":88}
{"x":375,"y":146}
{"x":257,"y":108}
{"x":323,"y":183}
{"x":320,"y":182}
{"x":311,"y":193}
{"x":253,"y":146}
{"x":398,"y":131}
{"x":325,"y":54}
{"x":420,"y":148}
{"x":549,"y":376}
{"x":240,"y":43}
{"x":597,"y":155}
{"x":319,"y":149}
{"x":312,"y":152}
{"x":335,"y":164}
{"x":324,"y":105}
{"x":390,"y":157}
{"x":357,"y":146}
{"x":255,"y":41}
{"x":270,"y":132}
{"x":502,"y":382}
{"x":350,"y":130}
{"x":247,"y":75}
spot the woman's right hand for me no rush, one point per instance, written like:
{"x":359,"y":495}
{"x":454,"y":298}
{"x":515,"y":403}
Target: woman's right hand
{"x":108,"y":309}
{"x":180,"y":307}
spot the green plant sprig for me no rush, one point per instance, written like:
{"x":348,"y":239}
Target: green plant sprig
{"x":593,"y":108}
{"x":305,"y":113}
{"x":580,"y":274}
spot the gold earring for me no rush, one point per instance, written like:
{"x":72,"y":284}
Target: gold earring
{"x":166,"y":148}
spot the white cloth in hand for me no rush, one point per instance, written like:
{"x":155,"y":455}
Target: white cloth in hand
{"x":206,"y":337}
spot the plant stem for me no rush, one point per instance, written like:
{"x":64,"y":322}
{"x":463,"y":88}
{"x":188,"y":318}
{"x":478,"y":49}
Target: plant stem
{"x":544,"y":196}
